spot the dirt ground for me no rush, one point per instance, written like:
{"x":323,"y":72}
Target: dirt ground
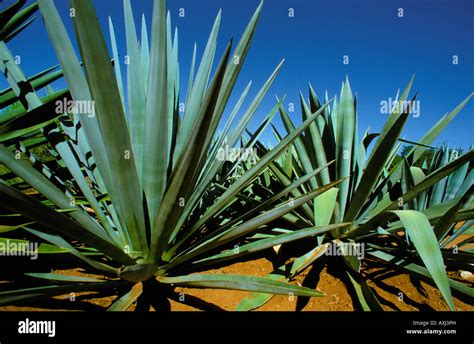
{"x":396,"y":292}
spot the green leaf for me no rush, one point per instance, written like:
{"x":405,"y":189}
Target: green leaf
{"x":145,"y":52}
{"x":445,"y":222}
{"x":239,"y":282}
{"x":345,"y":138}
{"x":230,"y":77}
{"x":286,"y":181}
{"x":38,"y":293}
{"x":429,"y":137}
{"x":265,"y":205}
{"x":233,"y":69}
{"x":302,"y":262}
{"x":263,"y":244}
{"x":34,"y":178}
{"x":191,"y":74}
{"x":59,"y":242}
{"x":324,"y":206}
{"x":7,"y":14}
{"x":455,"y":181}
{"x":16,"y":21}
{"x":79,"y":88}
{"x":185,"y":171}
{"x":73,"y":165}
{"x":466,"y":228}
{"x":113,"y":126}
{"x":34,"y":210}
{"x":299,"y":146}
{"x":16,"y":79}
{"x":438,"y":190}
{"x":24,"y":247}
{"x":221,"y":238}
{"x":418,"y":150}
{"x":366,"y":296}
{"x":252,"y":173}
{"x":394,"y":116}
{"x":243,"y":123}
{"x":7,"y":228}
{"x":32,"y":120}
{"x":155,"y":151}
{"x":421,"y":234}
{"x":64,"y":278}
{"x":408,"y":183}
{"x":417,"y":174}
{"x":377,"y":162}
{"x":173,"y":118}
{"x":136,"y":88}
{"x":124,"y":302}
{"x":256,"y":300}
{"x":193,"y":103}
{"x":380,"y":216}
{"x":115,"y":54}
{"x":233,"y":114}
{"x":38,"y":81}
{"x":315,"y":134}
{"x":437,"y":212}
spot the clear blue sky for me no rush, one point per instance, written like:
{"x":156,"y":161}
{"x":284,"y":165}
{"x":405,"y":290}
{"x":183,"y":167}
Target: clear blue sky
{"x":384,"y":51}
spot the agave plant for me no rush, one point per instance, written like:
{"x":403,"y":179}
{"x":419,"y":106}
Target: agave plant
{"x":375,"y":190}
{"x":445,"y":204}
{"x":141,"y":197}
{"x":15,"y":120}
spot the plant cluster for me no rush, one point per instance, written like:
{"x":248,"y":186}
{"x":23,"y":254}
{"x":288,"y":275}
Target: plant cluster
{"x":123,"y":175}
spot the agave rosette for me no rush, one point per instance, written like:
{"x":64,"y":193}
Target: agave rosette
{"x":142,"y":196}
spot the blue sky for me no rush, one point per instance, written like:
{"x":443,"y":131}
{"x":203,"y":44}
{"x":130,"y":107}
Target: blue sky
{"x":384,"y":51}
